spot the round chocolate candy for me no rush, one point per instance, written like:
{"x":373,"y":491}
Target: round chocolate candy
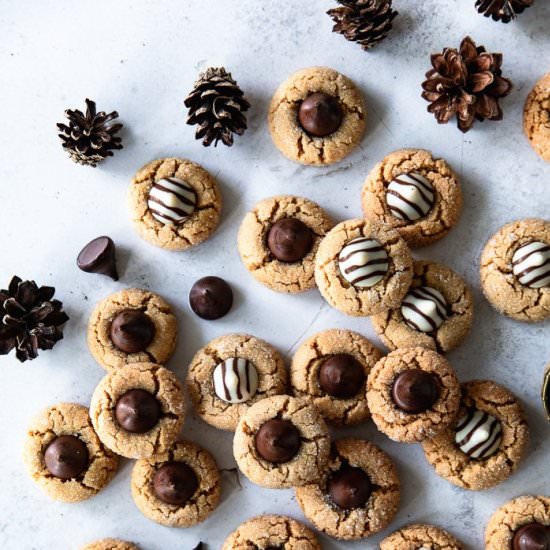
{"x":132,"y":331}
{"x":320,"y":114}
{"x":341,"y":376}
{"x":175,"y":483}
{"x":277,"y":440}
{"x":415,"y":391}
{"x":533,"y":536}
{"x":98,"y":256}
{"x":137,"y":411}
{"x":349,"y":488}
{"x":289,"y":240}
{"x":211,"y":298}
{"x":66,"y":457}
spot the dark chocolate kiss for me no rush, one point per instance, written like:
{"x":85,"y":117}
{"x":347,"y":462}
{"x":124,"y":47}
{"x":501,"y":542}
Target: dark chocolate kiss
{"x":137,"y":411}
{"x":277,"y":440}
{"x":175,"y":483}
{"x":349,"y":487}
{"x":66,"y":457}
{"x":290,"y":240}
{"x":533,"y":536}
{"x":415,"y":390}
{"x":341,"y":376}
{"x":132,"y":331}
{"x":320,"y":114}
{"x":98,"y":256}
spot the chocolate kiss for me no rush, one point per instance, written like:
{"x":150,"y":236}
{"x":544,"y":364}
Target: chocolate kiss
{"x":98,"y":256}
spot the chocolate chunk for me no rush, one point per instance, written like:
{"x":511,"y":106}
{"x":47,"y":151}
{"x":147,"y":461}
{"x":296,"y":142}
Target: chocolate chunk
{"x":211,"y":298}
{"x":349,"y":488}
{"x":532,"y":536}
{"x":132,"y":331}
{"x":277,"y":440}
{"x":66,"y":457}
{"x":415,"y":391}
{"x":98,"y":256}
{"x":320,"y":114}
{"x":175,"y":483}
{"x":341,"y":376}
{"x":289,"y":240}
{"x":137,"y":411}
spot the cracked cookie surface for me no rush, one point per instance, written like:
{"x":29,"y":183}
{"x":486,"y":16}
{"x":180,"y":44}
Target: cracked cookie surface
{"x":500,"y":286}
{"x":459,"y":468}
{"x":289,"y":136}
{"x":271,"y":531}
{"x":265,"y":359}
{"x":307,"y":362}
{"x":73,"y":420}
{"x":201,"y":503}
{"x":198,"y":226}
{"x":385,"y":294}
{"x":378,"y":511}
{"x":110,"y":544}
{"x":157,"y":310}
{"x":308,"y":463}
{"x":161,"y":384}
{"x":536,"y":117}
{"x":396,"y":333}
{"x":415,"y":537}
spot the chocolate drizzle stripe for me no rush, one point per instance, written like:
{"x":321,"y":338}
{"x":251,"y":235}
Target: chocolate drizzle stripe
{"x":376,"y":261}
{"x":406,"y":201}
{"x":422,"y":314}
{"x":481,"y":429}
{"x":366,"y":277}
{"x":360,"y":250}
{"x":188,"y":200}
{"x":225,"y":388}
{"x":235,"y":366}
{"x":418,"y":182}
{"x":544,"y":248}
{"x":178,"y":211}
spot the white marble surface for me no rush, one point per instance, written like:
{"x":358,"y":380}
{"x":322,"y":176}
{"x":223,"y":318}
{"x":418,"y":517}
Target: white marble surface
{"x":141,"y":58}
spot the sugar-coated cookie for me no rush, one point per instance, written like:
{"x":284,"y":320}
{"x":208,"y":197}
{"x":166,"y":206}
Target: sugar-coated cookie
{"x":110,"y":544}
{"x":536,"y":117}
{"x":421,"y":537}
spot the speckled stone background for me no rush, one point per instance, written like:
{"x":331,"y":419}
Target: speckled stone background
{"x":141,"y":58}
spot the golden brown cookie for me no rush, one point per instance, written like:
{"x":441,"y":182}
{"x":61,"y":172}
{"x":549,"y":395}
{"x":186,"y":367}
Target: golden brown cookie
{"x":174,"y":203}
{"x":331,"y":369}
{"x":231,"y":373}
{"x":271,"y":531}
{"x":421,"y":537}
{"x":138,"y":410}
{"x":110,"y":544}
{"x":140,"y":322}
{"x":281,"y":442}
{"x":412,"y":394}
{"x":523,"y":517}
{"x":317,"y":116}
{"x":415,"y":193}
{"x":363,"y":268}
{"x":515,"y":270}
{"x":179,"y":487}
{"x":536,"y":117}
{"x":357,"y":497}
{"x":436,"y":313}
{"x":278,"y":241}
{"x":487,"y":442}
{"x":64,"y":455}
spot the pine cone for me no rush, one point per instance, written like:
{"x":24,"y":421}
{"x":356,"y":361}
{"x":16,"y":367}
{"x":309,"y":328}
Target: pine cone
{"x":364,"y":21}
{"x":466,"y":83}
{"x":216,"y":105}
{"x":90,"y":137}
{"x":502,"y":10}
{"x":29,"y":319}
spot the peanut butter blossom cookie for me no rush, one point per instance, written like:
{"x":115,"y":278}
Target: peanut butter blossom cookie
{"x":110,"y":544}
{"x":421,"y":537}
{"x":486,"y":443}
{"x":358,"y":496}
{"x":412,"y":394}
{"x":363,"y":268}
{"x":282,"y":442}
{"x":271,"y":532}
{"x":436,"y":313}
{"x":231,"y":373}
{"x":179,"y":487}
{"x":521,"y":524}
{"x":175,"y":203}
{"x":536,"y":117}
{"x":64,"y":455}
{"x":278,"y":241}
{"x":331,"y":368}
{"x":415,"y":193}
{"x":515,"y":270}
{"x":317,"y":116}
{"x":138,"y":410}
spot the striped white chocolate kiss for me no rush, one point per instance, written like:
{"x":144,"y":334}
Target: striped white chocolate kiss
{"x":363,"y":262}
{"x":410,"y":196}
{"x":531,"y":264}
{"x":424,"y":309}
{"x":235,"y":380}
{"x":478,"y":434}
{"x":171,"y":201}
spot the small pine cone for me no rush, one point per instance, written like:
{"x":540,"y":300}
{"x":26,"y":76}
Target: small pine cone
{"x":217,"y":105}
{"x":90,"y":138}
{"x":502,"y":10}
{"x":466,"y":83}
{"x":366,"y":22}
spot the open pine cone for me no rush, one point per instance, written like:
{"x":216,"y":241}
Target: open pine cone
{"x":466,"y":83}
{"x":29,"y":319}
{"x":366,"y":22}
{"x":90,"y":138}
{"x":502,"y":10}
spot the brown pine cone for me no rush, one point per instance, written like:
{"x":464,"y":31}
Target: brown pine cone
{"x":502,"y":10}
